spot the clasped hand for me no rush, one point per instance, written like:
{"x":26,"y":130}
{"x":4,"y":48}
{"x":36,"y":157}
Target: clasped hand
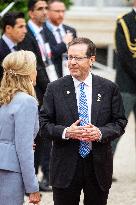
{"x":88,"y":132}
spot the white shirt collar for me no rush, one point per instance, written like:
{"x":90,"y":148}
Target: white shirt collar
{"x":36,"y":29}
{"x":8,"y":41}
{"x":53,"y":27}
{"x":87,"y":81}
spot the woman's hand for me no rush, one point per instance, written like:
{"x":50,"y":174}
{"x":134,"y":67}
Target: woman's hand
{"x":34,"y":198}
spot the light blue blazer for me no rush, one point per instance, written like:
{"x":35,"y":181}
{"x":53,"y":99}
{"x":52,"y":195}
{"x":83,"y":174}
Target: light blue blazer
{"x":19,"y":125}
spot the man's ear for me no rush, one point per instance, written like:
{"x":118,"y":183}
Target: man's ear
{"x":8,"y":28}
{"x":92,"y":60}
{"x":30,"y":14}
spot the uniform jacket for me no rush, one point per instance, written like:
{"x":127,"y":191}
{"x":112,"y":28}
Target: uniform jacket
{"x":60,"y":111}
{"x":18,"y":128}
{"x":126,"y":63}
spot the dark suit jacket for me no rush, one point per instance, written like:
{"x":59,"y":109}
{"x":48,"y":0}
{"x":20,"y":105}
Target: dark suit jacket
{"x":57,"y":49}
{"x":60,"y":111}
{"x":4,"y":51}
{"x":30,"y":43}
{"x":126,"y":63}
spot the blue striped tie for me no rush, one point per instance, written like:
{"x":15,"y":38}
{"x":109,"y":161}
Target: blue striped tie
{"x":84,"y":149}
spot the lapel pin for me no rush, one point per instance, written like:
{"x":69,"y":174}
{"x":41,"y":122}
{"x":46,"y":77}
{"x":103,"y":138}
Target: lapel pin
{"x":68,"y":92}
{"x":98,"y":97}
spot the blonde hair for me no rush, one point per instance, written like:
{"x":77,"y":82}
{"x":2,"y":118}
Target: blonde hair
{"x":17,"y":67}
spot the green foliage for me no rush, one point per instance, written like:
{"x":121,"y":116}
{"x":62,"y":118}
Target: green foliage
{"x":21,"y":5}
{"x":18,"y":6}
{"x":68,"y":3}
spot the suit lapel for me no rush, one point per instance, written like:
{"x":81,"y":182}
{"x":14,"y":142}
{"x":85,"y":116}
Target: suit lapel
{"x":31,"y":34}
{"x":50,"y":35}
{"x":37,"y":51}
{"x":97,"y":94}
{"x":70,"y":97}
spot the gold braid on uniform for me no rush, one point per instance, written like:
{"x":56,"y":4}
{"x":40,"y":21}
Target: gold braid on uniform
{"x":131,"y":46}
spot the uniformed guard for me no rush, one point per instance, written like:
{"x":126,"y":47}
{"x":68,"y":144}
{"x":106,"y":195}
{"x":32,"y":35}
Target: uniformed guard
{"x":125,"y":40}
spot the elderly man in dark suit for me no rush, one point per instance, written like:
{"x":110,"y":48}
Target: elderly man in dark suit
{"x":14,"y":31}
{"x":58,"y":34}
{"x":125,"y":38}
{"x":82,"y":113}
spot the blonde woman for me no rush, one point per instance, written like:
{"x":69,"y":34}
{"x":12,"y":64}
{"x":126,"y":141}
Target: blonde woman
{"x":18,"y":127}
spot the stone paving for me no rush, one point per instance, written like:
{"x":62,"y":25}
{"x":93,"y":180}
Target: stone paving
{"x":122,"y":192}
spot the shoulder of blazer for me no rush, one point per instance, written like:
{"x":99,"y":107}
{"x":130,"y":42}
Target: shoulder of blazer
{"x":24,"y":100}
{"x":24,"y":97}
{"x":66,"y":27}
{"x":62,"y":81}
{"x":68,"y":79}
{"x":128,"y":16}
{"x":103,"y":82}
{"x":4,"y":49}
{"x":69,"y":28}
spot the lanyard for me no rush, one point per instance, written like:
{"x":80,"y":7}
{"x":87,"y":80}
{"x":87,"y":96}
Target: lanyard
{"x":40,"y":42}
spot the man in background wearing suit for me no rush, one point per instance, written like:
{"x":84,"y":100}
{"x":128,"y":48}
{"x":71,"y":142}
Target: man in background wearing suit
{"x":37,"y":10}
{"x":82,"y":113}
{"x":34,"y":41}
{"x":59,"y":34}
{"x":14,"y":31}
{"x":125,"y":39}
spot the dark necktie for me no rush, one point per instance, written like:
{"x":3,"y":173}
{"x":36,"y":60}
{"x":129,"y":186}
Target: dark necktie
{"x":84,"y":149}
{"x":60,"y":36}
{"x":15,"y":48}
{"x":42,"y":32}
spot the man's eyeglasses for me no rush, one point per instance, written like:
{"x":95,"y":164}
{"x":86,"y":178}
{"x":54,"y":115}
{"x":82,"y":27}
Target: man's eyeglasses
{"x":58,"y":11}
{"x":70,"y":58}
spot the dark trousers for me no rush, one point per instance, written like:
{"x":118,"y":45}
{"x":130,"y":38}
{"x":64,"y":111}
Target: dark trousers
{"x":39,"y":149}
{"x":42,"y":155}
{"x":43,"y":145}
{"x":84,"y":179}
{"x":45,"y":160}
